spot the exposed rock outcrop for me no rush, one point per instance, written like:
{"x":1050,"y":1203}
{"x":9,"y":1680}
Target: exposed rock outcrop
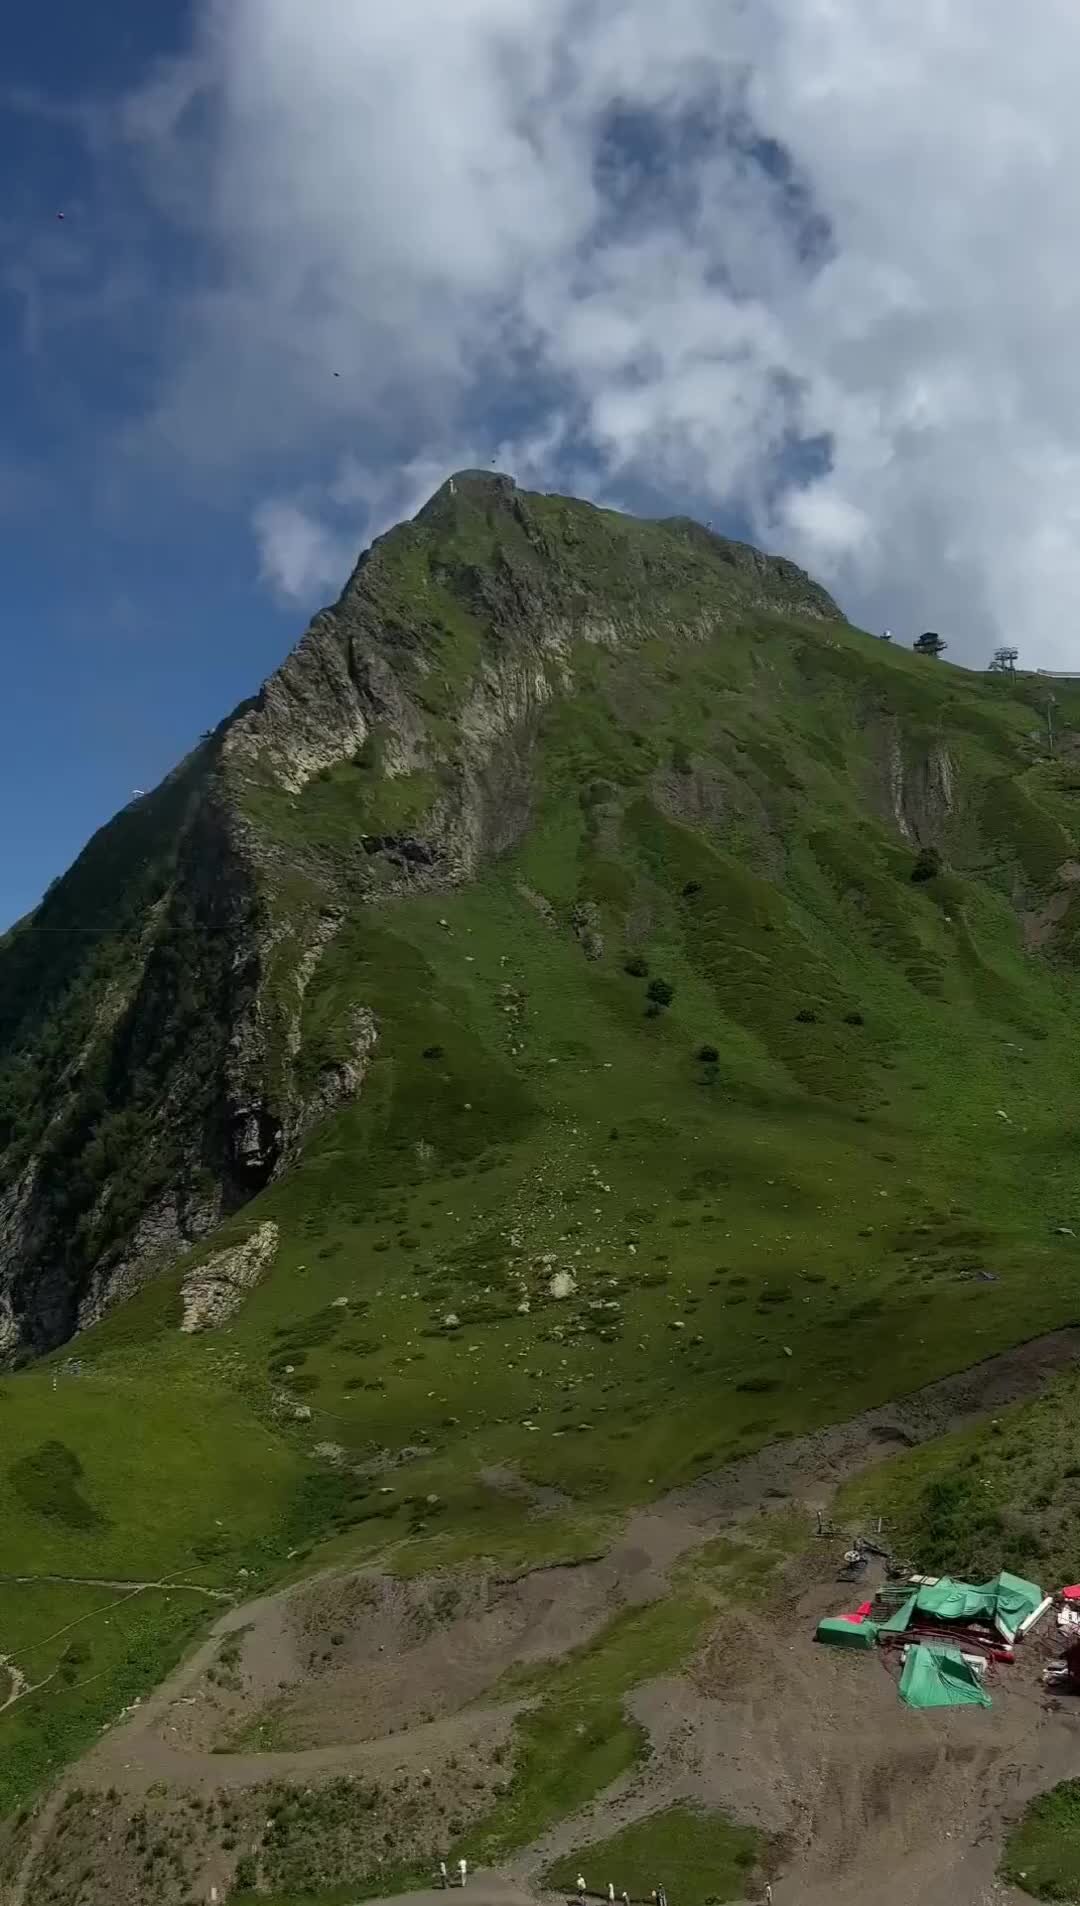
{"x":338,"y":1080}
{"x":585,"y":920}
{"x":214,"y":1291}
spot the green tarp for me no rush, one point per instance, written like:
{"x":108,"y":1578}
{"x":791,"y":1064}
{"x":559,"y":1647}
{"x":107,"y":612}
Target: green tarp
{"x":1006,"y":1601}
{"x":940,"y":1677}
{"x":898,"y":1622}
{"x":847,"y":1634}
{"x":956,"y":1601}
{"x":1016,"y":1599}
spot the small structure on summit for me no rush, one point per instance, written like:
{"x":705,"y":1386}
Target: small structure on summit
{"x":1004,"y":662}
{"x":929,"y":643}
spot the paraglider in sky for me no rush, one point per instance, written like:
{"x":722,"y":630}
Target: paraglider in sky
{"x":60,"y":216}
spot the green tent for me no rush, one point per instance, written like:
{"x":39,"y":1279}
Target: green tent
{"x":847,"y":1634}
{"x":1006,"y":1601}
{"x":940,"y":1677}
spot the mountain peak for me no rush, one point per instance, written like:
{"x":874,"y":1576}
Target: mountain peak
{"x":477,"y":486}
{"x":397,"y":749}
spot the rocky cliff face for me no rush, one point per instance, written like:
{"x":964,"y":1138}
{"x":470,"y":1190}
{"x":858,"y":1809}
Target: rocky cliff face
{"x":154,"y":1070}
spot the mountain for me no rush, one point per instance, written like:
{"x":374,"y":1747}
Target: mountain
{"x":164,"y":1044}
{"x":155,"y":1066}
{"x":595,"y":1014}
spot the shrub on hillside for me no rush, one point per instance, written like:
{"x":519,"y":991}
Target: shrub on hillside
{"x":927,"y":864}
{"x":708,"y":1055}
{"x":660,"y":992}
{"x":636,"y":967}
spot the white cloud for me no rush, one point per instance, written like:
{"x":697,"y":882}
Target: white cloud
{"x":410,"y":196}
{"x":298,"y":554}
{"x":828,"y":522}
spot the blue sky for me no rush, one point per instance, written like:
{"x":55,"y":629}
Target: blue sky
{"x":680,"y":258}
{"x":134,"y":612}
{"x":132,"y":620}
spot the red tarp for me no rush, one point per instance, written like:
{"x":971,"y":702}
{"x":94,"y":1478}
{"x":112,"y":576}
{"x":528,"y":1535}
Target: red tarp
{"x":860,"y":1613}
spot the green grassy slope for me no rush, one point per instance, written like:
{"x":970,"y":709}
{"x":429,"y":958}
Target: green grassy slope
{"x":1000,"y":1495}
{"x":611,"y":1247}
{"x":1042,"y":1853}
{"x":701,"y":1857}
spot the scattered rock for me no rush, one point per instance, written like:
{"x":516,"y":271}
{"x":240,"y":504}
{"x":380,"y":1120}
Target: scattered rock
{"x":585,"y":920}
{"x":286,"y":1406}
{"x":543,"y":907}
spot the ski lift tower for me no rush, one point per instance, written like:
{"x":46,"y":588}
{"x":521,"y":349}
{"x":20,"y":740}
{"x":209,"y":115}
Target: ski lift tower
{"x":1004,"y":662}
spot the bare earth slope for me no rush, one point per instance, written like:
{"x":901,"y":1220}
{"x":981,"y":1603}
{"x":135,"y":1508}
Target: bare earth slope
{"x":811,"y":1747}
